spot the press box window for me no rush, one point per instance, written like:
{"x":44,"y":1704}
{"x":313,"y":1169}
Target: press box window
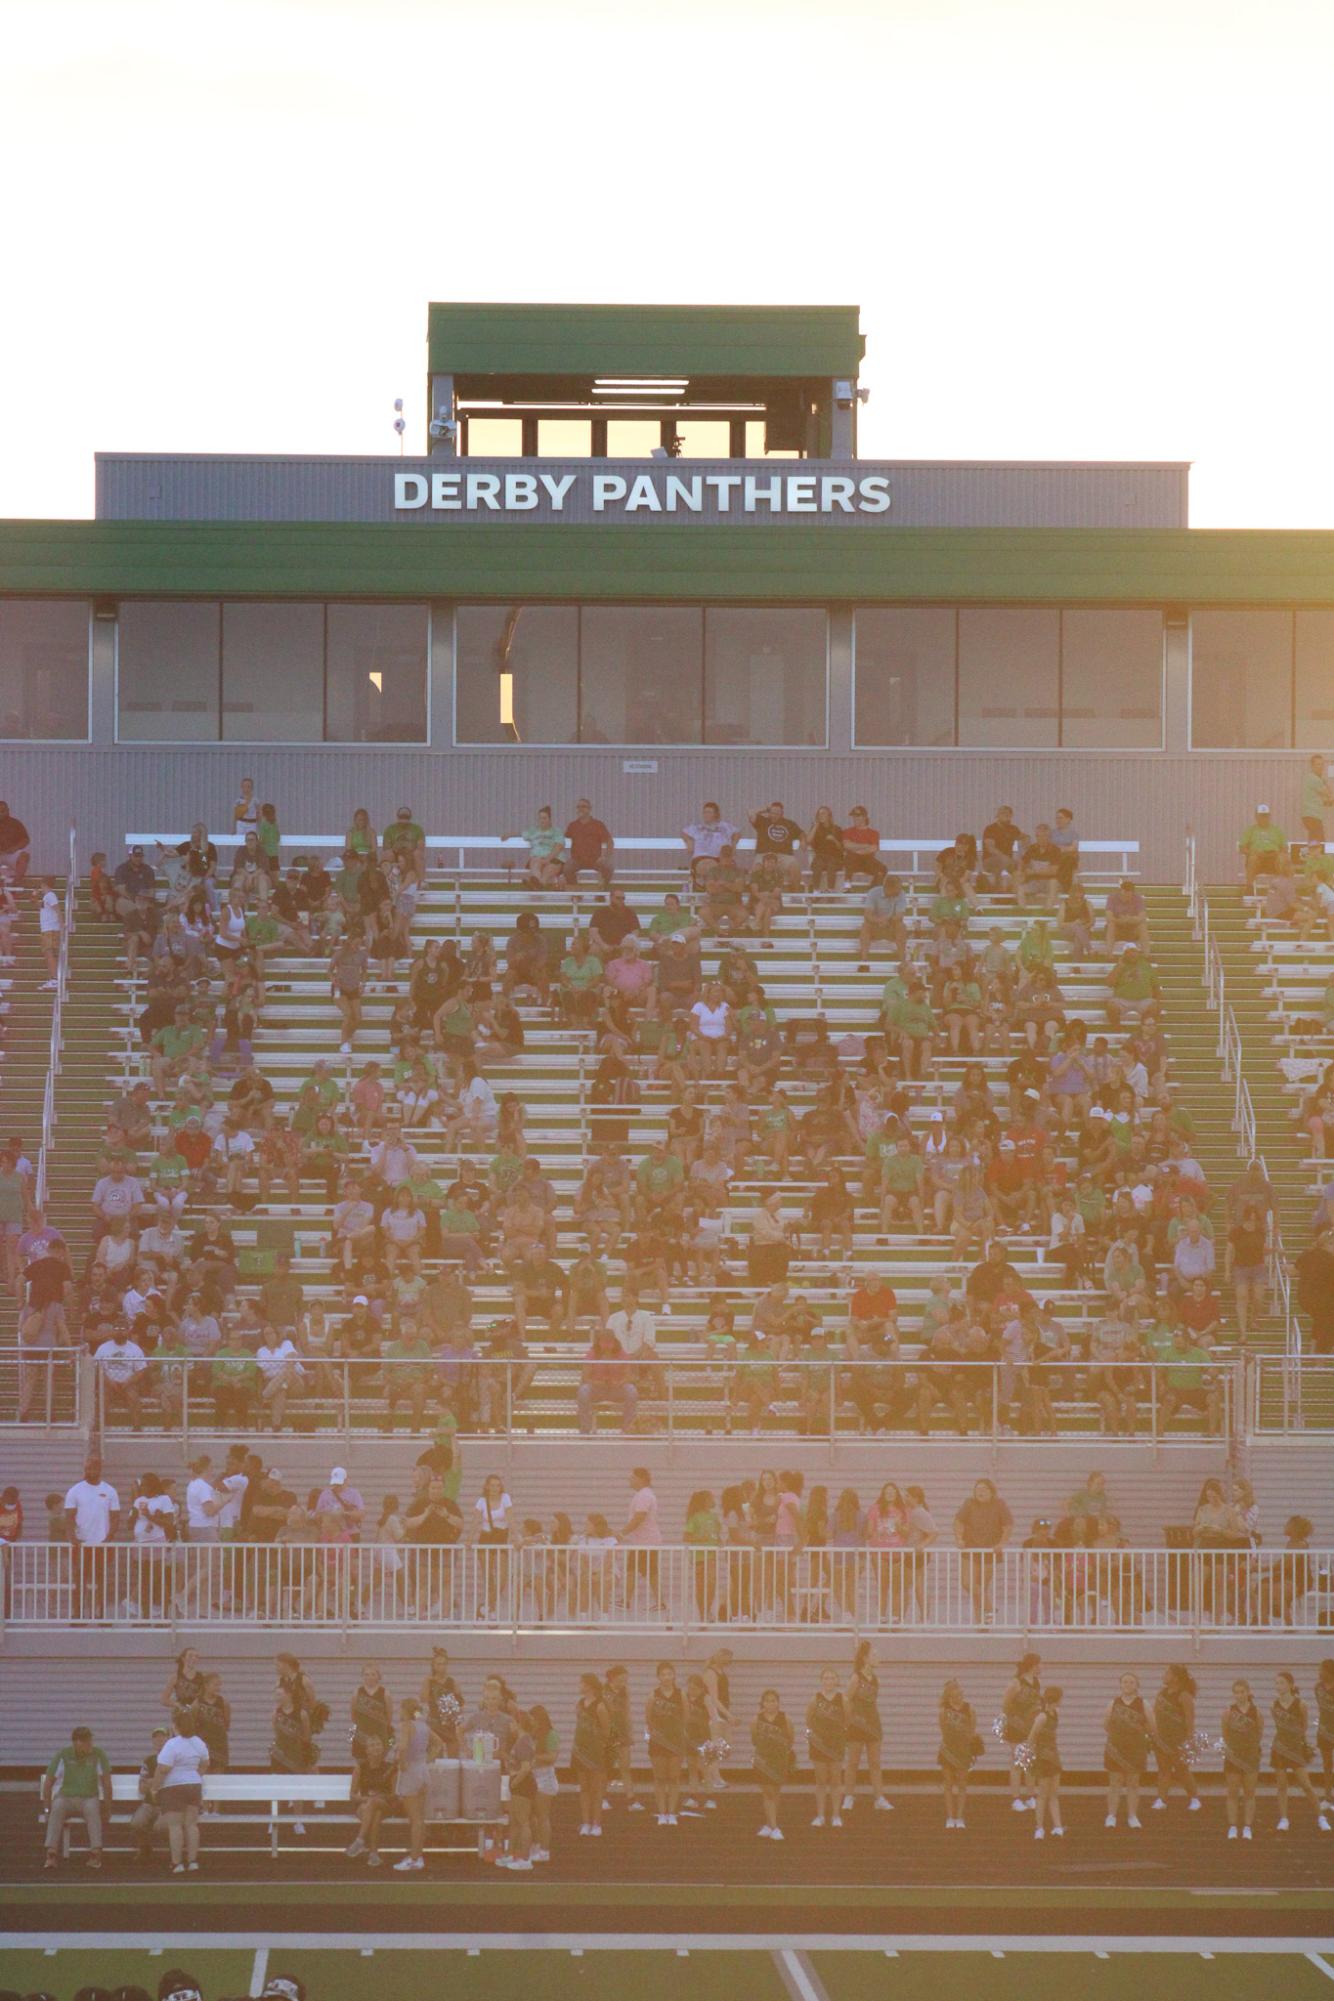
{"x":44,"y":669}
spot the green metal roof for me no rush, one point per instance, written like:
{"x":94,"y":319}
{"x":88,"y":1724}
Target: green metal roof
{"x":644,"y":340}
{"x":780,"y":562}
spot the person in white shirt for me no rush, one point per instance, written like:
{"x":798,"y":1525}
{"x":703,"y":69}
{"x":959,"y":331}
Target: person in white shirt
{"x":706,"y":838}
{"x":642,"y":1533}
{"x":120,"y":1364}
{"x":492,"y":1508}
{"x":234,"y":1145}
{"x":92,"y":1517}
{"x":153,"y":1513}
{"x":245,"y":810}
{"x":341,"y":1499}
{"x":178,"y":1785}
{"x":204,"y":1501}
{"x":49,"y":926}
{"x":280,"y":1374}
{"x":710,"y":1034}
{"x":634,"y":1331}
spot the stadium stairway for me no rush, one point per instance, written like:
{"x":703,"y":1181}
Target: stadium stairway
{"x":25,"y":1047}
{"x":90,"y":1055}
{"x":1287,"y":1155}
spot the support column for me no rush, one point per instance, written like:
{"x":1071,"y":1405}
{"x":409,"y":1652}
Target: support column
{"x":102,"y":690}
{"x":840,"y":678}
{"x":1176,"y":680}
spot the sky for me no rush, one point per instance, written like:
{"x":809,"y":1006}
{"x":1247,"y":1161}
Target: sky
{"x":1075,"y":230}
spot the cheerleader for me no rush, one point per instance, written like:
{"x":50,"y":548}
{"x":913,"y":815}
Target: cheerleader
{"x":1019,"y":1707}
{"x":960,"y":1748}
{"x":1290,"y":1753}
{"x":372,"y":1714}
{"x":865,"y":1731}
{"x":592,"y":1737}
{"x":1324,"y":1730}
{"x":442,"y":1699}
{"x":620,"y":1744}
{"x":665,"y":1721}
{"x":771,"y":1738}
{"x":1242,"y":1735}
{"x":827,"y":1742}
{"x":701,"y":1721}
{"x":1127,"y":1749}
{"x":1173,"y":1729}
{"x":1045,"y":1756}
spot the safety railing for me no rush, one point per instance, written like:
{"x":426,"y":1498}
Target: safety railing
{"x":43,"y":1387}
{"x":751,"y":1394}
{"x":624,"y":1588}
{"x":1291,"y":1395}
{"x":57,"y":1016}
{"x":1190,"y":887}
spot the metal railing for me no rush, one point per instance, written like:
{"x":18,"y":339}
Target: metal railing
{"x":671,"y":1397}
{"x":57,"y":1016}
{"x":1290,"y":1395}
{"x":678,"y":1590}
{"x":43,"y":1387}
{"x":1190,"y":888}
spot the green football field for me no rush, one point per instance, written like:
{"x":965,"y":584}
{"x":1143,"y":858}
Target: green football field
{"x":502,"y":1968}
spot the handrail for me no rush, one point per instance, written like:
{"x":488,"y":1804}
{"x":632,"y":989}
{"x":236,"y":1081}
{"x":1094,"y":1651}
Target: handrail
{"x":57,"y":1016}
{"x":742,"y":1395}
{"x":673,"y":1589}
{"x":1190,"y":888}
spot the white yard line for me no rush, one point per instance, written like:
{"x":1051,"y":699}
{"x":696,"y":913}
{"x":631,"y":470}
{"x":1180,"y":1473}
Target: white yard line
{"x":803,"y":1943}
{"x":259,"y":1971}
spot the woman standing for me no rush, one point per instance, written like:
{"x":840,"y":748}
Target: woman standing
{"x":592,"y":1746}
{"x":1173,"y":1728}
{"x":178,"y":1783}
{"x":886,"y":1531}
{"x":701,"y":1727}
{"x":546,"y":1751}
{"x":186,"y":1684}
{"x":443,"y":1701}
{"x":1324,"y":1730}
{"x":665,"y":1720}
{"x":1019,"y":1708}
{"x":1046,"y":1762}
{"x":213,"y":1722}
{"x":827,"y":1741}
{"x":620,"y":1740}
{"x":718,"y":1683}
{"x":1291,"y":1753}
{"x":417,"y":1744}
{"x":492,"y":1508}
{"x":865,"y":1730}
{"x":371,"y":1711}
{"x":960,"y":1748}
{"x":703,"y":1534}
{"x":1243,"y":1734}
{"x":523,"y":1792}
{"x":771,"y":1738}
{"x":1127,"y":1749}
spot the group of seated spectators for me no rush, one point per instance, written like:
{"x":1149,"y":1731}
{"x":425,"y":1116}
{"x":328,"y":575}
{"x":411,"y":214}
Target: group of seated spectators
{"x":974,"y":1110}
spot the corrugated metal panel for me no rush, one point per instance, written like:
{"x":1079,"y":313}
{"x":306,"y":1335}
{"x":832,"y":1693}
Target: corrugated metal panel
{"x":1151,"y":796}
{"x":142,"y":487}
{"x":614,"y":340}
{"x":783,"y":563}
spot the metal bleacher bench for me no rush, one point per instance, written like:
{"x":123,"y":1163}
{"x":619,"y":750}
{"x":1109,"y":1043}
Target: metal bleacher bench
{"x":915,"y":855}
{"x":279,"y":1800}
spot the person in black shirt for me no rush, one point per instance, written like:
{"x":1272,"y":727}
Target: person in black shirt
{"x":999,"y":842}
{"x":15,"y":844}
{"x":776,"y":835}
{"x":1039,"y":871}
{"x":1314,"y":1272}
{"x":613,"y":921}
{"x":431,"y":1517}
{"x":986,"y":1282}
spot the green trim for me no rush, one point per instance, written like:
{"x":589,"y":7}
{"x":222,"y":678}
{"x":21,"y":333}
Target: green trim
{"x":737,"y":341}
{"x":778,"y":563}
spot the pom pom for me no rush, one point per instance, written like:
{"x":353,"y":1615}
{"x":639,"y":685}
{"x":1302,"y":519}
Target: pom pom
{"x":1199,"y":1746}
{"x":1023,"y":1756}
{"x":448,"y":1708}
{"x":715,"y":1749}
{"x":998,"y":1728}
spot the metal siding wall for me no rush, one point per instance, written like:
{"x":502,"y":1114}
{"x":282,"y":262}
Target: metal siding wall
{"x":1152,"y":797}
{"x":963,"y":495}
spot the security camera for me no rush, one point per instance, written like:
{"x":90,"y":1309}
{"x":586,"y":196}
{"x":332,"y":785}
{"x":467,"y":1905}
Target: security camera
{"x":398,"y":402}
{"x":863,"y":395}
{"x":400,"y":425}
{"x":844,"y":395}
{"x":443,"y":427}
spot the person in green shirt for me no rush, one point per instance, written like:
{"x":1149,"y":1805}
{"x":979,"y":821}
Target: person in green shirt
{"x":1134,"y":986}
{"x":893,"y":996}
{"x":170,"y":1047}
{"x":406,"y":841}
{"x":84,"y":1774}
{"x":408,"y":1374}
{"x":660,"y":1179}
{"x":704,"y":1534}
{"x":319,"y":1093}
{"x":915,"y":1025}
{"x":580,"y":980}
{"x":1260,"y":843}
{"x":671,"y":919}
{"x":1036,"y":945}
{"x":901,"y":1176}
{"x":1190,"y":1383}
{"x":233,"y":1376}
{"x":546,"y":851}
{"x":270,"y":838}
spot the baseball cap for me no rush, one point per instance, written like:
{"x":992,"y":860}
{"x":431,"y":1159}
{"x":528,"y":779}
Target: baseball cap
{"x":360,"y":1299}
{"x":338,"y":1476}
{"x":1262,"y":809}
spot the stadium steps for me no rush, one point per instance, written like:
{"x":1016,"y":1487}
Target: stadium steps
{"x":89,"y":1052}
{"x":25,"y":1047}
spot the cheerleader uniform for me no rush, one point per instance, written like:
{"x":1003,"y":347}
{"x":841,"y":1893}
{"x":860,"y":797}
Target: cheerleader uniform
{"x":619,"y":1737}
{"x":371,"y":1718}
{"x":187,"y":1689}
{"x":589,"y":1750}
{"x":1324,"y":1702}
{"x":667,"y":1724}
{"x":771,"y":1740}
{"x":1127,"y":1747}
{"x":1046,"y":1750}
{"x":1170,"y":1733}
{"x":697,"y":1727}
{"x":959,"y":1742}
{"x":827,"y":1729}
{"x":440,"y":1689}
{"x":211,"y":1726}
{"x":864,"y":1725}
{"x":1242,"y":1731}
{"x":1290,"y":1751}
{"x":1019,"y":1708}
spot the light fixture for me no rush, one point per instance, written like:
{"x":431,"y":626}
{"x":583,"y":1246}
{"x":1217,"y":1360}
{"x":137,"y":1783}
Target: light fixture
{"x":507,"y":700}
{"x":376,"y":680}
